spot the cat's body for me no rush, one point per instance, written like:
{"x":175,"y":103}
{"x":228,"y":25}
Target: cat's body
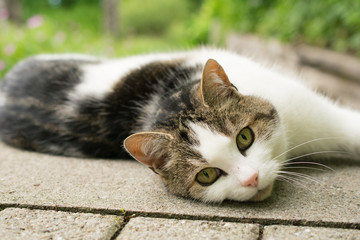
{"x":187,"y":118}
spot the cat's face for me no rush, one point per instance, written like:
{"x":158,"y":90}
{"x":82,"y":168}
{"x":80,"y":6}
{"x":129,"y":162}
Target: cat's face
{"x":224,"y":149}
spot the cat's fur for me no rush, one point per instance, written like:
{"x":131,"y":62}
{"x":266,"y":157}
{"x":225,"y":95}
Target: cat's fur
{"x":183,"y":112}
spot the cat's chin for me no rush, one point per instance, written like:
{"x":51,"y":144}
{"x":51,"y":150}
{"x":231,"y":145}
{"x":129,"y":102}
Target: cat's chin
{"x":262,"y":194}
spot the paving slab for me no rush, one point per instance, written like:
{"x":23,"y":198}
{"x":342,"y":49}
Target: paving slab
{"x":28,"y":178}
{"x":308,"y":233}
{"x":157,"y":228}
{"x":16,"y":223}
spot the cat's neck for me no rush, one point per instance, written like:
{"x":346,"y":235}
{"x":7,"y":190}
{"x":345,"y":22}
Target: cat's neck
{"x":323,"y":127}
{"x":347,"y":126}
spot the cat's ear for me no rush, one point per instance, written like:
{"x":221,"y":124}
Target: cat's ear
{"x":149,"y":148}
{"x":215,"y":85}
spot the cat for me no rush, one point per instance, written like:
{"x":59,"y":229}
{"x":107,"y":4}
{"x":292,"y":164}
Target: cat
{"x":212,"y":124}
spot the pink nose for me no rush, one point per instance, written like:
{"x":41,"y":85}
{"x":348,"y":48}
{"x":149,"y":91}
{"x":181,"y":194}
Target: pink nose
{"x":251,"y":181}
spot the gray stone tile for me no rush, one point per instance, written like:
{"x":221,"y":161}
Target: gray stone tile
{"x":16,"y":223}
{"x":39,"y":179}
{"x":157,"y":228}
{"x":308,"y":233}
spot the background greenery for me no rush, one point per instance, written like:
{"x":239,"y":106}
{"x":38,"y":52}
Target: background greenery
{"x":330,"y":24}
{"x":76,"y":26}
{"x":157,"y":25}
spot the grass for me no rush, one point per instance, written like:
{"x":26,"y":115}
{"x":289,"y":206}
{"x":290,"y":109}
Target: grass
{"x":69,"y":29}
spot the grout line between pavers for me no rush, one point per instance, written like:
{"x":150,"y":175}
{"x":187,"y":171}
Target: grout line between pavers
{"x":129,"y":214}
{"x":117,"y":233}
{"x":123,"y":224}
{"x":260,"y":221}
{"x":261,"y":232}
{"x":126,"y":218}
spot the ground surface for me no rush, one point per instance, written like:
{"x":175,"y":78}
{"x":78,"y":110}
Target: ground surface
{"x":91,"y":196}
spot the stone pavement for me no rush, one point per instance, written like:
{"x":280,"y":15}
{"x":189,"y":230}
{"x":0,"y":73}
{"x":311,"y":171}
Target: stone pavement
{"x":53,"y":197}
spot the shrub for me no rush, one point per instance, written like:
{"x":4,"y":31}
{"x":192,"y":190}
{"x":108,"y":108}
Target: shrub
{"x":326,"y":23}
{"x":151,"y":17}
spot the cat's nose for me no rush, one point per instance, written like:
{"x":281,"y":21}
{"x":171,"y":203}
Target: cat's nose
{"x":252,"y":181}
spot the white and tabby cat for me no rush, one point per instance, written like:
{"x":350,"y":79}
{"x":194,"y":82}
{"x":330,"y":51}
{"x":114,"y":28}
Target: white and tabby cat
{"x":210,"y":135}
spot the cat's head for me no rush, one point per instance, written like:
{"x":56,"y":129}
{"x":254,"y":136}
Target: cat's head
{"x":224,"y":148}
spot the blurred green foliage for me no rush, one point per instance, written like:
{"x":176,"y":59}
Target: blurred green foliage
{"x":157,"y":25}
{"x":152,"y":18}
{"x":326,"y":23}
{"x":76,"y":26}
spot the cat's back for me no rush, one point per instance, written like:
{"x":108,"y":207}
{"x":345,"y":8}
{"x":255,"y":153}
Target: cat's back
{"x":44,"y":77}
{"x":31,"y":94}
{"x":77,"y":105}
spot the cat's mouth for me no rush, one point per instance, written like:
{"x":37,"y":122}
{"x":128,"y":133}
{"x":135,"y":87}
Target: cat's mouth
{"x":263,"y":193}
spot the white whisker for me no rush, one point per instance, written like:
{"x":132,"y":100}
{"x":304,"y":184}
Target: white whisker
{"x":293,"y":181}
{"x":311,"y":163}
{"x":300,"y":167}
{"x":302,"y":144}
{"x":301,"y":175}
{"x":283,"y":178}
{"x":314,"y":153}
{"x":286,"y":179}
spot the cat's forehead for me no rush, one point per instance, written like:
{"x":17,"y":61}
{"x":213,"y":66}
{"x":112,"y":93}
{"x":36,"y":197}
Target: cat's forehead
{"x":232,"y":115}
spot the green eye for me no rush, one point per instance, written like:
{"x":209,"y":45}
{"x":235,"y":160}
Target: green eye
{"x":244,"y":139}
{"x":208,"y":176}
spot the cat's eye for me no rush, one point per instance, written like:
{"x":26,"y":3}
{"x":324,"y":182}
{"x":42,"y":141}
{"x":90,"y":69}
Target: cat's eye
{"x":208,"y":176}
{"x":244,"y":139}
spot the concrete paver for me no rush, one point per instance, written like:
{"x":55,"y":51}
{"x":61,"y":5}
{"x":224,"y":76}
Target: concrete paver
{"x":157,"y":228}
{"x":308,"y":233}
{"x":18,"y":223}
{"x":44,"y":180}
